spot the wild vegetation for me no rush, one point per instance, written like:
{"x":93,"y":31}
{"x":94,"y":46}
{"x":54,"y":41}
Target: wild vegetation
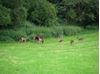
{"x":50,"y":18}
{"x":49,"y":36}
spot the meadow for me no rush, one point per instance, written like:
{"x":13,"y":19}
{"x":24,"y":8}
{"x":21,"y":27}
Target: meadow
{"x":51,"y":57}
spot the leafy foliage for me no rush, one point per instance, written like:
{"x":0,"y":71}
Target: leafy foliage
{"x":5,"y":17}
{"x":47,"y":12}
{"x":19,"y":15}
{"x":79,"y":11}
{"x":50,"y":18}
{"x":42,"y":12}
{"x":30,"y":32}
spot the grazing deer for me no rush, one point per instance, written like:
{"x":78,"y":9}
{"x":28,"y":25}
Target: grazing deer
{"x":61,"y":40}
{"x":80,"y":39}
{"x":39,"y":39}
{"x":71,"y":42}
{"x":23,"y":39}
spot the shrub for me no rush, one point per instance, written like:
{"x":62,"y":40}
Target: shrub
{"x":19,"y":15}
{"x":71,"y":30}
{"x":92,"y":27}
{"x":44,"y":31}
{"x":5,"y":17}
{"x":6,"y":38}
{"x":42,"y":12}
{"x":14,"y":34}
{"x":29,"y":33}
{"x":18,"y":34}
{"x":57,"y":31}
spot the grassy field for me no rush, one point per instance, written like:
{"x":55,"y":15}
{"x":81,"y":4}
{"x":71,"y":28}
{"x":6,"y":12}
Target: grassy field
{"x":51,"y":57}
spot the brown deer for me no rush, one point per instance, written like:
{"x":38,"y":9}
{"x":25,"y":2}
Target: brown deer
{"x":71,"y":42}
{"x":39,"y":39}
{"x":80,"y":39}
{"x":61,"y":40}
{"x":23,"y":39}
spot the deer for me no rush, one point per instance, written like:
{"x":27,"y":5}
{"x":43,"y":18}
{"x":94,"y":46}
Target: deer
{"x":23,"y":39}
{"x":80,"y":39}
{"x":71,"y":42}
{"x":61,"y":39}
{"x":39,"y":39}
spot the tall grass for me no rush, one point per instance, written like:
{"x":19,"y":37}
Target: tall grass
{"x":30,"y":31}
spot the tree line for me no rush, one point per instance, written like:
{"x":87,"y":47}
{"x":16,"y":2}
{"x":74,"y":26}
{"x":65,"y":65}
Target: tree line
{"x":13,"y":13}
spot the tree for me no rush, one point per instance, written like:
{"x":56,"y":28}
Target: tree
{"x":83,"y":12}
{"x":41,"y":12}
{"x":19,"y":15}
{"x":5,"y":18}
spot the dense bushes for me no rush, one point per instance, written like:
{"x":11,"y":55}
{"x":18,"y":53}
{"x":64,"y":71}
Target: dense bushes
{"x":50,"y":18}
{"x":42,"y":13}
{"x":47,"y":12}
{"x":29,"y":33}
{"x":19,"y":15}
{"x":71,"y":30}
{"x":12,"y":34}
{"x":6,"y":39}
{"x":83,"y":12}
{"x":5,"y":17}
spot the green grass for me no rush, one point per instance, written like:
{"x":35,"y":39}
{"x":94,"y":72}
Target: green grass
{"x":51,"y":57}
